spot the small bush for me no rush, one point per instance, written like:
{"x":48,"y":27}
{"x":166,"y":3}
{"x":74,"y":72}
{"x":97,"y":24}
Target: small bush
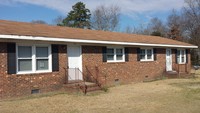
{"x":105,"y":89}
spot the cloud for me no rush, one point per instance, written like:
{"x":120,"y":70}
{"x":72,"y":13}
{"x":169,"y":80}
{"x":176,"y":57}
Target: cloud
{"x":130,"y":8}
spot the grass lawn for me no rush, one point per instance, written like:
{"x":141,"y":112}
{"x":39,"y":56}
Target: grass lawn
{"x":163,"y":96}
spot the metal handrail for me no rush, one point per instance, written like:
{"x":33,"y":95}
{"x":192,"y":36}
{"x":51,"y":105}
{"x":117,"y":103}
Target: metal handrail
{"x":83,"y":85}
{"x":96,"y":79}
{"x":67,"y":74}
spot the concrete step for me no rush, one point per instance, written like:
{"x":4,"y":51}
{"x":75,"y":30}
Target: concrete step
{"x":71,"y":88}
{"x":172,"y":72}
{"x":80,"y":87}
{"x":72,"y":85}
{"x":74,"y":81}
{"x":91,"y":86}
{"x":175,"y":74}
{"x":90,"y":89}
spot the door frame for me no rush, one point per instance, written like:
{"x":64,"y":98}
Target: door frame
{"x":80,"y":58}
{"x":169,"y":57}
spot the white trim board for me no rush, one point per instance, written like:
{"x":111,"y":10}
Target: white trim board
{"x":89,"y":41}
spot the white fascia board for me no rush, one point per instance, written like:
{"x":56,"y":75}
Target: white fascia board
{"x":89,"y":41}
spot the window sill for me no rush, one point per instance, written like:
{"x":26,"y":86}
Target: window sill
{"x":118,"y":62}
{"x":146,"y":60}
{"x":37,"y":72}
{"x":182,"y":63}
{"x":115,"y":61}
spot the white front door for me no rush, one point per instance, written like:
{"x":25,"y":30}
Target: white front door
{"x":168,"y":60}
{"x":74,"y":63}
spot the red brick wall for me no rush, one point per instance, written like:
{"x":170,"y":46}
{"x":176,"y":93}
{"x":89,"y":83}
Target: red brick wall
{"x":18,"y":85}
{"x":131,"y":71}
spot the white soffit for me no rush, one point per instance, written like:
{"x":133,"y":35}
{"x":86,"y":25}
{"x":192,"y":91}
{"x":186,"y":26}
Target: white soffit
{"x":89,"y":41}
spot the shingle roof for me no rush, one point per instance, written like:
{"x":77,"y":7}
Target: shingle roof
{"x":41,"y":30}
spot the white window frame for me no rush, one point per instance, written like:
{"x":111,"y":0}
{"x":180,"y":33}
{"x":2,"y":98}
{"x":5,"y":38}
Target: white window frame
{"x":180,"y":56}
{"x":152,"y":55}
{"x":34,"y":70}
{"x":115,"y":54}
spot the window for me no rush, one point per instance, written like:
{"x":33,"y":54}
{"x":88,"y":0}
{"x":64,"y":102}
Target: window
{"x":115,"y":55}
{"x":119,"y":54}
{"x":24,"y":58}
{"x":149,"y":54}
{"x":110,"y":54}
{"x":142,"y":54}
{"x":181,"y":56}
{"x":146,"y":55}
{"x":42,"y":58}
{"x":33,"y":58}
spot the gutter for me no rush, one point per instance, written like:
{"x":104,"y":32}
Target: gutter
{"x":90,"y":41}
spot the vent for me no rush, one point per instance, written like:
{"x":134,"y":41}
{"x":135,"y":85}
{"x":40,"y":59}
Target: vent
{"x":117,"y":82}
{"x":35,"y":91}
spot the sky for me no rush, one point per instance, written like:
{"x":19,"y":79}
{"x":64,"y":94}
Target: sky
{"x":133,"y":12}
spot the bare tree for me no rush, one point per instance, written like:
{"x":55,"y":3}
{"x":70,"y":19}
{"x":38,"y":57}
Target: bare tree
{"x":58,"y":20}
{"x":105,"y":18}
{"x":173,"y":19}
{"x":129,"y":30}
{"x":38,"y":22}
{"x":191,"y":16}
{"x":191,"y":25}
{"x":174,"y":23}
{"x":141,"y":29}
{"x":156,"y":27}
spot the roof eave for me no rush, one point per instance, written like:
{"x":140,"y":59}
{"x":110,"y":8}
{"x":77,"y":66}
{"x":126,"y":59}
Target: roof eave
{"x":90,"y":41}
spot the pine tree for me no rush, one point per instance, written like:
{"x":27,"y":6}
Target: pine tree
{"x":78,"y":17}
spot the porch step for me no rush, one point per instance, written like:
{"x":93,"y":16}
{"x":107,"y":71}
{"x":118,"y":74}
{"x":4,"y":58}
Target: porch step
{"x":175,"y":74}
{"x":92,"y":87}
{"x":80,"y":87}
{"x":74,"y":81}
{"x":72,"y":87}
{"x":171,"y":74}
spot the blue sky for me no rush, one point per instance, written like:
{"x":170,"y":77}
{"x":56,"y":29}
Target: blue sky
{"x":133,"y":12}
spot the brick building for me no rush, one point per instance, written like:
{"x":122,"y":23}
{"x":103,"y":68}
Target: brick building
{"x":35,"y":57}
